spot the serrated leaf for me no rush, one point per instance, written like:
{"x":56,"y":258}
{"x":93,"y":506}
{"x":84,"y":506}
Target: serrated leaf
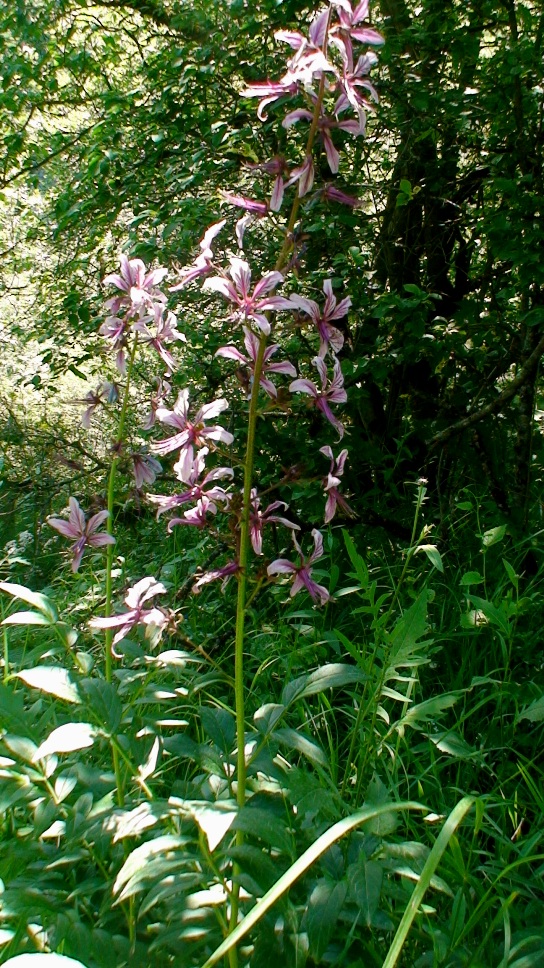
{"x":471,"y":578}
{"x":102,"y":700}
{"x":36,"y":599}
{"x":52,"y":680}
{"x":428,"y":710}
{"x":324,"y":906}
{"x":365,"y":884}
{"x":452,"y":743}
{"x":534,"y":712}
{"x":66,"y":739}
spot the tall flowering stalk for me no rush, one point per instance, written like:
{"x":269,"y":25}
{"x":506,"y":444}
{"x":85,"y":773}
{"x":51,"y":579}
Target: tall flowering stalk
{"x":336,"y":94}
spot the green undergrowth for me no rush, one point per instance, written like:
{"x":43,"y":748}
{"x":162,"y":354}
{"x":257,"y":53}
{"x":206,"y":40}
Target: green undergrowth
{"x":419,"y":685}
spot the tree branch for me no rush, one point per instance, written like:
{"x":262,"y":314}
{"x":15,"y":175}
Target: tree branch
{"x":495,"y":405}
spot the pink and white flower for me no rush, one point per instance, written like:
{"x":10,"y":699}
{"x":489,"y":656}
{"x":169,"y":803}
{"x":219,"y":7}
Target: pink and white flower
{"x":252,"y":341}
{"x":332,"y":392}
{"x":258,"y":519}
{"x":302,"y":571}
{"x":330,"y":336}
{"x":84,"y":532}
{"x":331,"y":484}
{"x":191,"y":433}
{"x":203,"y":262}
{"x":153,"y":618}
{"x":251,"y":306}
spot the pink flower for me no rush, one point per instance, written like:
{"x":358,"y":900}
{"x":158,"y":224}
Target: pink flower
{"x":303,"y":571}
{"x":329,"y":335}
{"x":165,"y":332}
{"x":352,"y":79}
{"x":192,"y":433}
{"x":157,"y":400}
{"x":347,"y":31}
{"x":141,"y":592}
{"x":138,"y":285}
{"x":331,"y":483}
{"x":332,"y":194}
{"x":251,"y":341}
{"x":250,"y":306}
{"x":188,"y":472}
{"x":145,"y":469}
{"x":84,"y":532}
{"x":197,"y":516}
{"x":258,"y":519}
{"x":353,"y":126}
{"x":249,"y":204}
{"x":105,"y":393}
{"x":224,"y":573}
{"x":203,"y":262}
{"x":332,"y":392}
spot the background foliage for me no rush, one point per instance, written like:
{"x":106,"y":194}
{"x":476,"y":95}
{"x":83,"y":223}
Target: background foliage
{"x":120,"y":124}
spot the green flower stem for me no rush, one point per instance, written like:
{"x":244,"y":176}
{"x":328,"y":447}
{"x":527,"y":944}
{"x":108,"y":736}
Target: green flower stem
{"x":110,"y":507}
{"x":109,"y":558}
{"x":243,"y":559}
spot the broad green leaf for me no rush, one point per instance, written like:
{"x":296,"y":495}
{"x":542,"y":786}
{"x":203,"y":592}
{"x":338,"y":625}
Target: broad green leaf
{"x":302,"y":744}
{"x":511,"y":573}
{"x":36,"y":599}
{"x":356,"y":559}
{"x":39,"y":960}
{"x":493,"y":536}
{"x":66,"y":739}
{"x":102,"y":700}
{"x":27,"y":618}
{"x":471,"y":578}
{"x":220,"y":726}
{"x":534,"y":712}
{"x":213,"y":819}
{"x":265,"y":825}
{"x":324,"y":906}
{"x":13,"y":715}
{"x":491,"y":612}
{"x":267,"y":716}
{"x":137,"y":868}
{"x":365,"y":884}
{"x":409,"y":629}
{"x":327,"y":677}
{"x":433,"y":555}
{"x":452,"y":743}
{"x":53,"y":680}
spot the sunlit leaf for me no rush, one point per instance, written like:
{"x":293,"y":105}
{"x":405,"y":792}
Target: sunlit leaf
{"x":66,"y":739}
{"x":36,"y":599}
{"x":53,"y":680}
